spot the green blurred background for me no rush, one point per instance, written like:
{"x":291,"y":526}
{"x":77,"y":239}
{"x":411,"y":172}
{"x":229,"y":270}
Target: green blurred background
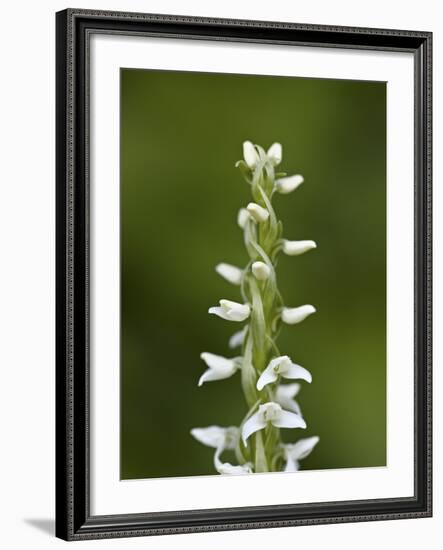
{"x":181,"y":133}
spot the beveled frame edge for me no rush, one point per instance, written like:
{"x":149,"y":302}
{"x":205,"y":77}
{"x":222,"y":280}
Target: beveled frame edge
{"x":73,"y":519}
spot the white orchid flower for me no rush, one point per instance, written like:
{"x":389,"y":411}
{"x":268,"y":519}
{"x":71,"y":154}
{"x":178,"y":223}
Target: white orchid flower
{"x":275,"y":153}
{"x":217,"y":437}
{"x":231,"y":311}
{"x":250,"y":154}
{"x":259,"y":213}
{"x":294,"y":452}
{"x":288,"y":184}
{"x":227,"y":468}
{"x":284,"y":396}
{"x":295,"y":248}
{"x":271,"y":413}
{"x":261,"y":270}
{"x":284,"y":367}
{"x":242,"y":217}
{"x":237,"y":339}
{"x":230,"y":273}
{"x":219,"y":367}
{"x":294,"y":315}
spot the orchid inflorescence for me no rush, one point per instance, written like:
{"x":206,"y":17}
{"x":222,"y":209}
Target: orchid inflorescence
{"x":257,"y":442}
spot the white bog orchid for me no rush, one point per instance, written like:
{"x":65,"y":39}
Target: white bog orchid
{"x":275,"y":153}
{"x":294,"y":315}
{"x":231,"y":311}
{"x":288,"y":184}
{"x":264,"y":378}
{"x":217,"y":437}
{"x":257,"y":212}
{"x":295,"y":248}
{"x":271,"y":413}
{"x":284,"y":396}
{"x":294,"y":452}
{"x":237,"y":339}
{"x":250,"y":154}
{"x":284,"y":367}
{"x":261,"y":271}
{"x":230,"y":273}
{"x":219,"y":367}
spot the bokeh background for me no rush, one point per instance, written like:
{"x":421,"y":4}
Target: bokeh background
{"x":181,"y":133}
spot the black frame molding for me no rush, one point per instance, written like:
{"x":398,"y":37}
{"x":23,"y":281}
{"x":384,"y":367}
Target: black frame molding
{"x":73,"y":30}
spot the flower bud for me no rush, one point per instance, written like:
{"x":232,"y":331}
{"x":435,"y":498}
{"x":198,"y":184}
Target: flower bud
{"x":275,"y":153}
{"x":261,"y":271}
{"x":288,"y":184}
{"x":294,"y":315}
{"x":242,"y":217}
{"x":259,"y":213}
{"x":295,"y":248}
{"x":250,"y":154}
{"x":230,"y":273}
{"x":231,"y":311}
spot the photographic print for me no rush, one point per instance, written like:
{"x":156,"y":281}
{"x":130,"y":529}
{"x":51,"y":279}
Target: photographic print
{"x":253,"y":274}
{"x":244,"y":310}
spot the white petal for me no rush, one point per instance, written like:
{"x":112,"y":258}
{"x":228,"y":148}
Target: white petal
{"x":281,"y":363}
{"x":230,"y":273}
{"x":217,"y":362}
{"x":268,"y":376}
{"x":229,"y":304}
{"x":220,"y":312}
{"x":288,"y":391}
{"x":212,"y":375}
{"x":237,"y":339}
{"x":219,"y":368}
{"x":242,"y":217}
{"x":229,"y":469}
{"x":250,"y":154}
{"x":275,"y":153}
{"x":296,"y":372}
{"x":212,"y":436}
{"x":294,"y":315}
{"x":291,"y":465}
{"x":235,"y":311}
{"x":295,"y":248}
{"x":288,"y":184}
{"x":261,"y":271}
{"x":302,"y":448}
{"x":285,"y":394}
{"x":255,"y":423}
{"x":288,"y":419}
{"x":259,"y":213}
{"x":231,"y":311}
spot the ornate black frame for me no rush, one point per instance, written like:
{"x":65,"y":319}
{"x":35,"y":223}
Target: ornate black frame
{"x":73,"y":518}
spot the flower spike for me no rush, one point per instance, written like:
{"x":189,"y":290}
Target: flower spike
{"x":263,"y":370}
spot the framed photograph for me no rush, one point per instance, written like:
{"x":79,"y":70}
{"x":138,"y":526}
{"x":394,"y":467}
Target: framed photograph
{"x":243,"y":274}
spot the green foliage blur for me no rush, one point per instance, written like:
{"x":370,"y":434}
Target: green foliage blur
{"x":181,"y":133}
